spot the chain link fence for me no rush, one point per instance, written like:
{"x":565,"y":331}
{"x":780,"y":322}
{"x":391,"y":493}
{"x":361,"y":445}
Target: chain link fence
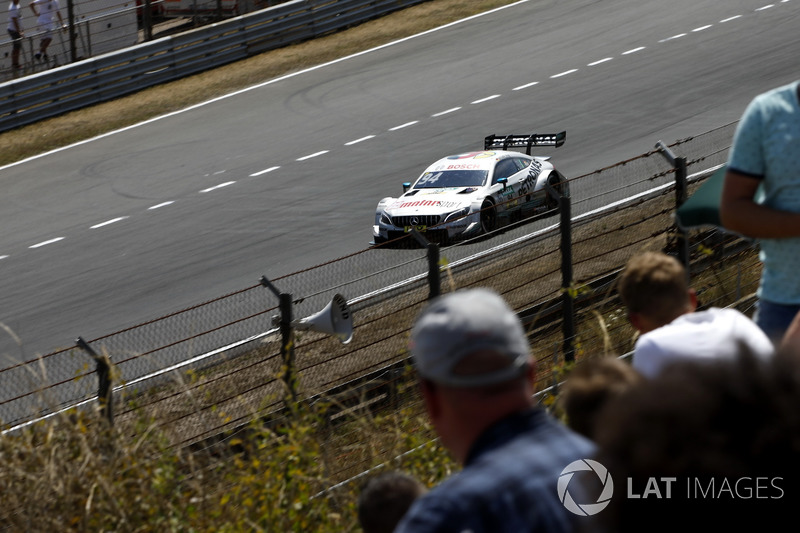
{"x":206,"y":371}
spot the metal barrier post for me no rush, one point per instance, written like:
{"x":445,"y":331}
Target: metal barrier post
{"x":567,"y":303}
{"x":287,"y":338}
{"x":104,"y":380}
{"x":434,"y":274}
{"x":682,"y":237}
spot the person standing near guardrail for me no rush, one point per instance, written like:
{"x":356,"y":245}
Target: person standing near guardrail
{"x":477,"y":380}
{"x":15,"y":31}
{"x":766,"y":153}
{"x":44,"y":11}
{"x":663,"y":309}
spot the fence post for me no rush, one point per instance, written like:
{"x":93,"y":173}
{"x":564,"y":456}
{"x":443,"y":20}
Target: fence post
{"x":681,"y":193}
{"x":287,"y":338}
{"x":434,"y":273}
{"x":104,"y":380}
{"x":567,"y":304}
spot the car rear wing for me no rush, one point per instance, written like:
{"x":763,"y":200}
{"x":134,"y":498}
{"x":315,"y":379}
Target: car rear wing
{"x":504,"y":142}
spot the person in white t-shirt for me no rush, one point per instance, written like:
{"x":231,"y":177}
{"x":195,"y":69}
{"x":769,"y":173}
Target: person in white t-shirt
{"x":45,"y":11}
{"x":15,"y":32}
{"x":661,"y":306}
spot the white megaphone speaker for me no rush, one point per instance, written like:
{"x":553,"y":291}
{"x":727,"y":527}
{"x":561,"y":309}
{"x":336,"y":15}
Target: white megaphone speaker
{"x":334,"y":319}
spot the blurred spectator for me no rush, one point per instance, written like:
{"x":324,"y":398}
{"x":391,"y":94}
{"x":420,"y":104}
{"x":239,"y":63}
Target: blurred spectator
{"x":704,"y":447}
{"x":384,"y":500}
{"x":45,"y":11}
{"x":661,"y":306}
{"x":791,"y":340}
{"x":590,"y":386}
{"x":477,"y":380}
{"x":15,"y":32}
{"x":766,"y":153}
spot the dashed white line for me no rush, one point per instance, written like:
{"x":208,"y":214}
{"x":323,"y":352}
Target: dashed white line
{"x":730,"y":19}
{"x":45,"y":243}
{"x":362,"y":139}
{"x":260,"y":172}
{"x":673,"y":38}
{"x":605,"y":59}
{"x":310,"y":156}
{"x":566,"y":72}
{"x":107,"y":222}
{"x":446,"y":111}
{"x":218,"y":172}
{"x":701,"y":28}
{"x":3,"y":256}
{"x":162,"y":204}
{"x":401,"y":126}
{"x":531,"y":84}
{"x":765,"y":7}
{"x":633,"y":50}
{"x":221,"y":185}
{"x":482,"y":100}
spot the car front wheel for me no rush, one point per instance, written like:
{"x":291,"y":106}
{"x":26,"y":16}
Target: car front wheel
{"x":488,"y":216}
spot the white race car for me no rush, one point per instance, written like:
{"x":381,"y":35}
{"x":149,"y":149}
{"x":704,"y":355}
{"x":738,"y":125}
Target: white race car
{"x":467,"y":194}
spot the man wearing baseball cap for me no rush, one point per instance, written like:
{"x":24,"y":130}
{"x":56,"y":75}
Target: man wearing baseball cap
{"x":477,"y":379}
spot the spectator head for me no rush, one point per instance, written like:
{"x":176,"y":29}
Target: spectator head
{"x":727,"y":433}
{"x":385,"y":499}
{"x":474,"y":364}
{"x":654,"y":289}
{"x":590,"y":386}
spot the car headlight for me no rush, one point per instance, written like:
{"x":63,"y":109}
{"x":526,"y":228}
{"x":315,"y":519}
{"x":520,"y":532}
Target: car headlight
{"x":455,"y":215}
{"x":385,"y":219}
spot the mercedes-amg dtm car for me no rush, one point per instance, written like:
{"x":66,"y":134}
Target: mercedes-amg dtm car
{"x":467,"y":194}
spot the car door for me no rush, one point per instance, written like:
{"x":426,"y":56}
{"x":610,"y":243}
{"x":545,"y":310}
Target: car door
{"x":504,"y":196}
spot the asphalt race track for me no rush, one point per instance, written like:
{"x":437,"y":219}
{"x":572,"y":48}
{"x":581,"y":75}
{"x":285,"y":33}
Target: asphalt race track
{"x":286,"y":175}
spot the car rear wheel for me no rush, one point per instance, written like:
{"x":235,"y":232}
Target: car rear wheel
{"x":488,"y":216}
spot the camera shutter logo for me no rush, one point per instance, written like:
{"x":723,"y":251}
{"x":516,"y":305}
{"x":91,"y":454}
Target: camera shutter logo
{"x":585,"y":509}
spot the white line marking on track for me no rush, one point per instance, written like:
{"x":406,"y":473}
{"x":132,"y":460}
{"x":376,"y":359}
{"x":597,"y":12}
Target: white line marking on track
{"x":730,"y":19}
{"x":566,"y":72}
{"x":401,"y":126}
{"x":221,"y":185}
{"x":446,"y":111}
{"x":633,"y":50}
{"x":531,"y":84}
{"x":701,"y":28}
{"x":162,"y":204}
{"x":765,"y":7}
{"x":673,"y":38}
{"x":310,"y":156}
{"x":107,"y":222}
{"x":594,"y":63}
{"x":362,"y":139}
{"x":260,"y":172}
{"x":45,"y":243}
{"x":482,"y":100}
{"x":3,"y":256}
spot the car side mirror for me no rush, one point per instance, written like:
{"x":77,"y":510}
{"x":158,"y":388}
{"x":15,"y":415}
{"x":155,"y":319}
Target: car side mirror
{"x":406,"y":186}
{"x":504,"y":181}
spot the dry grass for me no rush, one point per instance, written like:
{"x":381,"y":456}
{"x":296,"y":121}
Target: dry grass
{"x":84,"y":124}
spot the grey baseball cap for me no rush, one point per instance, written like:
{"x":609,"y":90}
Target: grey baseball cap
{"x":463,"y":323}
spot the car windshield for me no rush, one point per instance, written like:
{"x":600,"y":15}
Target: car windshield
{"x":451,"y":178}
